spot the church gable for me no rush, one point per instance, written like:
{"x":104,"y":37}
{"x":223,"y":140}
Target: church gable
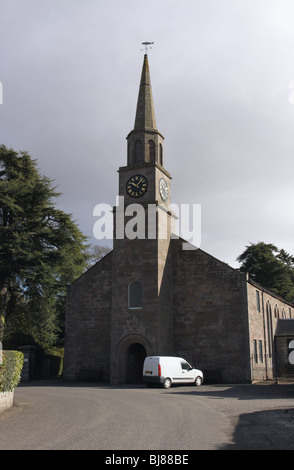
{"x":209,"y":309}
{"x":204,"y":264}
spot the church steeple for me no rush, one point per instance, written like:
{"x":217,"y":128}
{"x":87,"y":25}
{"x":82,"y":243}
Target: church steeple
{"x":141,"y":302}
{"x":144,"y":178}
{"x":145,"y":116}
{"x":145,"y":143}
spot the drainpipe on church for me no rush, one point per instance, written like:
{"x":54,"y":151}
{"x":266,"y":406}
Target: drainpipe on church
{"x":264,"y":333}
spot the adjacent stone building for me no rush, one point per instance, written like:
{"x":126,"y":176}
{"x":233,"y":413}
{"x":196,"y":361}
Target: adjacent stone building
{"x":149,"y":296}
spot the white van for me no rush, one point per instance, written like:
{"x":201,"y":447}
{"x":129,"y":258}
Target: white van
{"x":168,"y":370}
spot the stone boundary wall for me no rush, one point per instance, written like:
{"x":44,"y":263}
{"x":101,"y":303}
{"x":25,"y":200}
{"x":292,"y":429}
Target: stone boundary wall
{"x":6,"y":400}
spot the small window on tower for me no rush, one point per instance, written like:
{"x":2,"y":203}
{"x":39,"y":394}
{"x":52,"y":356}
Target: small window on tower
{"x":135,"y":294}
{"x":160,"y":155}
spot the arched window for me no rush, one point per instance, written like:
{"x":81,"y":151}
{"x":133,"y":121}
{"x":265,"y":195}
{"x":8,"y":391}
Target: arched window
{"x":151,"y":147}
{"x":138,"y":151}
{"x":135,"y":294}
{"x":160,"y":155}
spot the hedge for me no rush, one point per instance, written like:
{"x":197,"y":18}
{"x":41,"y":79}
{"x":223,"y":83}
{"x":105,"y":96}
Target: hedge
{"x":10,"y":370}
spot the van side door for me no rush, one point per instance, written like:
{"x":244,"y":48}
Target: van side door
{"x":188,"y":373}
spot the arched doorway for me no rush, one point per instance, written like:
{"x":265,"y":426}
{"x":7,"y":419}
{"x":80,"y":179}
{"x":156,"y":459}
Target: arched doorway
{"x":135,"y":356}
{"x":130,"y":354}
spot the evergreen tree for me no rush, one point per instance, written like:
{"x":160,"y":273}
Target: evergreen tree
{"x":41,"y":252}
{"x":270,"y":267}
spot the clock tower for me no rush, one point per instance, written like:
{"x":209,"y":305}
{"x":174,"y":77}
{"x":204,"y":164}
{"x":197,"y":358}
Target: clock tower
{"x":141,"y":319}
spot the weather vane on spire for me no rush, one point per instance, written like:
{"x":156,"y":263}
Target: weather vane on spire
{"x":146,"y":45}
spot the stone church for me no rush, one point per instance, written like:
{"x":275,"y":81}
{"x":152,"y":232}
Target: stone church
{"x":149,"y":296}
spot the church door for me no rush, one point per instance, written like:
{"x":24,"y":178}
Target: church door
{"x":136,"y":354}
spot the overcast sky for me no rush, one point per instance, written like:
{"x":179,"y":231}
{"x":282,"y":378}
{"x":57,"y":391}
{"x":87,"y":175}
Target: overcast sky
{"x":221,"y":73}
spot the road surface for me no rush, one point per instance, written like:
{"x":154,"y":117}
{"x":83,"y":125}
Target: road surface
{"x":60,"y":416}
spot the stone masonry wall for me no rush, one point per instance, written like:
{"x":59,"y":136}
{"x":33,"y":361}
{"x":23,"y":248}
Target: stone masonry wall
{"x":263,"y":317}
{"x":87,"y":330}
{"x":210,"y":315}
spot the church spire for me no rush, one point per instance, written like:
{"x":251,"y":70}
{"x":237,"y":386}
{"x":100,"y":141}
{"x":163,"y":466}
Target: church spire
{"x":145,"y":116}
{"x":145,"y":143}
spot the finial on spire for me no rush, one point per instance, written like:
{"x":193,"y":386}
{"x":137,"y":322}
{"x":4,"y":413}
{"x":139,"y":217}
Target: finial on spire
{"x":146,"y":45}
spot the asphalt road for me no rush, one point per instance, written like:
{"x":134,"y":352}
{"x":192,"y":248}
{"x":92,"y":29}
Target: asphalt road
{"x":60,"y":416}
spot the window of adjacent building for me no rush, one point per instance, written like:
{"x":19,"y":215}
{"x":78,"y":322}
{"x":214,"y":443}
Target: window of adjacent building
{"x":135,"y":294}
{"x":260,"y":351}
{"x":276,"y":312}
{"x":255,"y":353}
{"x":257,"y":301}
{"x":290,"y":313}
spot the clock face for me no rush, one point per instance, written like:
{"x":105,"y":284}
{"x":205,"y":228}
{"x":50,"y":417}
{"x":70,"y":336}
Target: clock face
{"x":137,"y":186}
{"x":163,"y":189}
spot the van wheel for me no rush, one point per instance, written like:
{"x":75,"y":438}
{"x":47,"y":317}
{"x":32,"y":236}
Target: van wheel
{"x":167,"y":383}
{"x":198,"y":381}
